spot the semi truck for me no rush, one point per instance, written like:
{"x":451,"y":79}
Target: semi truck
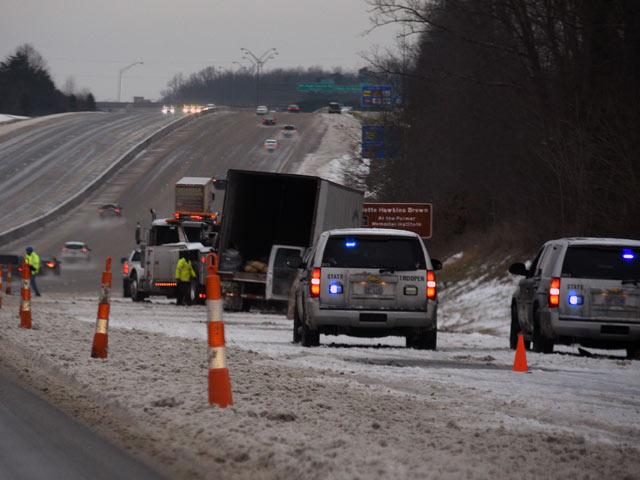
{"x":269,"y":217}
{"x":192,"y":229}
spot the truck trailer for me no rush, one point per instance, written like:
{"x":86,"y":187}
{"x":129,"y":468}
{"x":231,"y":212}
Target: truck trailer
{"x":269,"y":217}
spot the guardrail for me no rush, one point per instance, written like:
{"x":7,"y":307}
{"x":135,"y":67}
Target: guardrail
{"x":40,"y":221}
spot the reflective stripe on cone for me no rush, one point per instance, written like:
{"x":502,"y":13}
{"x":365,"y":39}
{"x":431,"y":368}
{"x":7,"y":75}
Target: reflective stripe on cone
{"x":101,"y":337}
{"x":219,"y":382}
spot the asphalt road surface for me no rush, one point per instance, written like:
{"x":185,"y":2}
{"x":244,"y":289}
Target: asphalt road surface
{"x":208,"y":146}
{"x":37,"y":441}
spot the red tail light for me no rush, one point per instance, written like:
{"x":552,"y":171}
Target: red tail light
{"x":64,"y":249}
{"x":315,"y":283}
{"x":84,"y":250}
{"x":125,"y":268}
{"x":100,"y":210}
{"x":431,"y":285}
{"x":117,"y":210}
{"x":554,"y":292}
{"x":203,"y":259}
{"x":51,"y":264}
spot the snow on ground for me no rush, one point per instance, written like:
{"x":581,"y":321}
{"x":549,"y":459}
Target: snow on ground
{"x":349,"y":409}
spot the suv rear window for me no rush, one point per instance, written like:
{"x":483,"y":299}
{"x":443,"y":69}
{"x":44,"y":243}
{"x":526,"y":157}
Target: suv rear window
{"x":602,"y":262}
{"x":393,"y":253}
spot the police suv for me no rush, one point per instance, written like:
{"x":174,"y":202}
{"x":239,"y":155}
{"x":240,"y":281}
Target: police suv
{"x":366,"y":282}
{"x":579,"y":290}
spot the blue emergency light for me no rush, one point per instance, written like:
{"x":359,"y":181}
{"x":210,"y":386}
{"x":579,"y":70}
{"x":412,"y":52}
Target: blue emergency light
{"x":350,"y":243}
{"x":628,"y":254}
{"x":335,"y":288}
{"x":575,"y":299}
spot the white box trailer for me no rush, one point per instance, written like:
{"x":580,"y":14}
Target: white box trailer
{"x":269,"y":217}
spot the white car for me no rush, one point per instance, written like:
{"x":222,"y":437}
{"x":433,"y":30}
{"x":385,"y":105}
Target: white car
{"x":262,"y":110}
{"x":271,"y":144}
{"x":168,"y":109}
{"x":75,"y":251}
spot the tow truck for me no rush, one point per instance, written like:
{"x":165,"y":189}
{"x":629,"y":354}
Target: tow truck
{"x":192,"y":229}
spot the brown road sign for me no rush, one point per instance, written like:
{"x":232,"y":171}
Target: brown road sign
{"x":415,"y":217}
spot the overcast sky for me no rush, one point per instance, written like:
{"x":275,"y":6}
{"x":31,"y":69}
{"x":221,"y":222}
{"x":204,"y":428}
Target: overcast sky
{"x":91,"y":40}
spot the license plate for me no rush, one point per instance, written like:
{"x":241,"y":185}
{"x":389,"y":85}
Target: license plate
{"x":373,"y":289}
{"x":611,"y":300}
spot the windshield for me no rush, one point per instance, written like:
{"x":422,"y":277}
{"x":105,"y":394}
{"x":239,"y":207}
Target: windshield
{"x":393,"y":253}
{"x":602,"y":262}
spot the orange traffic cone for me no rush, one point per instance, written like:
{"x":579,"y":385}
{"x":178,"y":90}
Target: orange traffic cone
{"x":8,"y":290}
{"x":25,"y":305}
{"x":219,"y":383}
{"x":101,"y":337}
{"x":520,"y":362}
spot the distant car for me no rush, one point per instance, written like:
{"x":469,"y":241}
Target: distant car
{"x":271,"y":144}
{"x":293,"y":108}
{"x":579,"y":290}
{"x":334,"y":107}
{"x":262,"y":110}
{"x":110,"y":209}
{"x":49,"y":264}
{"x":269,"y":120}
{"x":289,"y":130}
{"x":168,"y":109}
{"x":75,"y":251}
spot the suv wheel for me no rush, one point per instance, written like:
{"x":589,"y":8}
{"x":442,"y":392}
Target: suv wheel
{"x":422,"y":339}
{"x":296,"y":326}
{"x":515,"y":327}
{"x":541,"y":343}
{"x":633,"y":352}
{"x":309,"y":337}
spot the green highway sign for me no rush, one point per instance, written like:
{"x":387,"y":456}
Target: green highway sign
{"x":328,"y":86}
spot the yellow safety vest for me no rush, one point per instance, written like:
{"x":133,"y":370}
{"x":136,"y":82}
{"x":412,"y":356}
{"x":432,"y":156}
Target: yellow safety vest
{"x":184,"y":270}
{"x":34,"y":260}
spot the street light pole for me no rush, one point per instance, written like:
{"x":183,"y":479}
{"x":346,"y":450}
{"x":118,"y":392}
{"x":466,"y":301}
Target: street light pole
{"x":122,"y":70}
{"x":258,"y":62}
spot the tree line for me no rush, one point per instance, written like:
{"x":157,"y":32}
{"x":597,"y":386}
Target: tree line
{"x":519,"y":115}
{"x":26,"y":87}
{"x":277,"y":87}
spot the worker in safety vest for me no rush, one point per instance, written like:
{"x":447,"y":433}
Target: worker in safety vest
{"x":184,"y":274}
{"x":33,"y":260}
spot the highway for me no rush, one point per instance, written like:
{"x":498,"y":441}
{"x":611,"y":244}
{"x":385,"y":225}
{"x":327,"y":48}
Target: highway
{"x":207,"y":146}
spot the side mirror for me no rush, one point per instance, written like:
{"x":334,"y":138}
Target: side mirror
{"x":123,"y":259}
{"x":518,"y":269}
{"x":437,"y":264}
{"x":293,"y":262}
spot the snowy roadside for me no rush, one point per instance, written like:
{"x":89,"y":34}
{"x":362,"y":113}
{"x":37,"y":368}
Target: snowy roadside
{"x":340,"y":411}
